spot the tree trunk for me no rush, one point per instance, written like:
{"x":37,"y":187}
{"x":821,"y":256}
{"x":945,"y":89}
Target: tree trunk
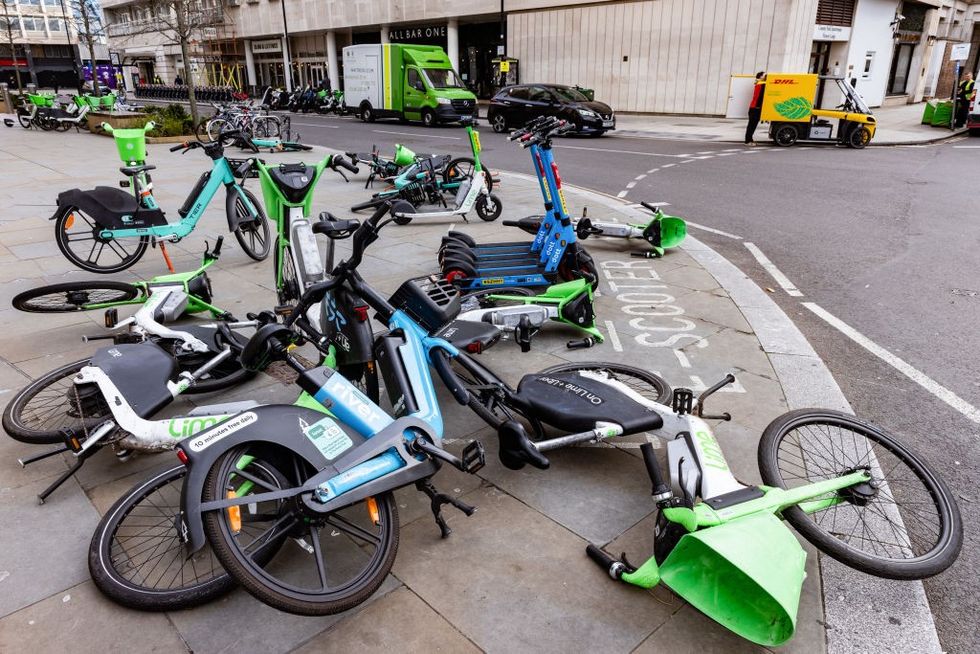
{"x":13,"y":51}
{"x":90,"y":41}
{"x":183,"y":33}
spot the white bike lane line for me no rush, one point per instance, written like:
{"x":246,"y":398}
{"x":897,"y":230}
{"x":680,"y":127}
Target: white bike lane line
{"x":862,"y":613}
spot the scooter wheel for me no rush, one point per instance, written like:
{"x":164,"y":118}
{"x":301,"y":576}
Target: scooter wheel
{"x":398,"y":210}
{"x":488,"y":207}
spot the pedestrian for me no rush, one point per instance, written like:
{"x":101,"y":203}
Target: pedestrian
{"x":965,"y":92}
{"x":755,"y":107}
{"x":179,"y":81}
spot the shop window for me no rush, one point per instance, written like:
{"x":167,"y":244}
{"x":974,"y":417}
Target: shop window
{"x":869,"y":60}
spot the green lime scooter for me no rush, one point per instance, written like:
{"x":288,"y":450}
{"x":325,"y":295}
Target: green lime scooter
{"x":661,"y":232}
{"x":517,"y":310}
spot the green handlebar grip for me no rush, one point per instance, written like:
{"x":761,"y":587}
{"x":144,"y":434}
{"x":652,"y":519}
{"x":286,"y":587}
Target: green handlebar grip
{"x":107,"y":127}
{"x":150,"y":125}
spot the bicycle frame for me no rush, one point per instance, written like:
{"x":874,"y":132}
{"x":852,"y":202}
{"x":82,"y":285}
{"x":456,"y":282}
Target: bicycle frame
{"x":221,"y":175}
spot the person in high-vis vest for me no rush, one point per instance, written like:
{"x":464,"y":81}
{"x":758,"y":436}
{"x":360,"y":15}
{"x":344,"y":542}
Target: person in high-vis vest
{"x":965,"y":93}
{"x":755,"y":106}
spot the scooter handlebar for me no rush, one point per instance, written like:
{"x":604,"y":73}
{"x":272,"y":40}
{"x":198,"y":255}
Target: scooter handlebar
{"x":337,"y":162}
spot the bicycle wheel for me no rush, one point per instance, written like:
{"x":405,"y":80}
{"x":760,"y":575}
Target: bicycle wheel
{"x":650,"y":386}
{"x":359,"y":541}
{"x":462,"y":168}
{"x":266,"y":127}
{"x":288,"y":289}
{"x":488,"y":207}
{"x":78,"y":238}
{"x":904,"y":524}
{"x":137,"y":558}
{"x":215,"y":127}
{"x":24,"y":120}
{"x":39,"y":412}
{"x":75,"y":296}
{"x":482,"y":299}
{"x":252,"y":232}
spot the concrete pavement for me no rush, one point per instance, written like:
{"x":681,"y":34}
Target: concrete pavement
{"x":513,"y":576}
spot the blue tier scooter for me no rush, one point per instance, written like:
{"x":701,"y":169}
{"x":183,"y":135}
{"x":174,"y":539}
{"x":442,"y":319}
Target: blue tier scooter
{"x":553,"y":255}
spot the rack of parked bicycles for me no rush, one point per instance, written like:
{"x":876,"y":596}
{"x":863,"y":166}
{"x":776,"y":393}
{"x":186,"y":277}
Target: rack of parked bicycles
{"x":182,"y":92}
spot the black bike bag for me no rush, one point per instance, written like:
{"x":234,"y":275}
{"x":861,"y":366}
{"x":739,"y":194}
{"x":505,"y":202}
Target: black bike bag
{"x":111,"y":208}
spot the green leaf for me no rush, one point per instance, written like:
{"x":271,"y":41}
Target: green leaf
{"x":794,"y":108}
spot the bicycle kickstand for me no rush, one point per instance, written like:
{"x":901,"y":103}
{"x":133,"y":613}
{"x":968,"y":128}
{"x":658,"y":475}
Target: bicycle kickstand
{"x":437,"y":499}
{"x":81,"y":457}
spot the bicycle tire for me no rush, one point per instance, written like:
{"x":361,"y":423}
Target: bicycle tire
{"x":76,"y":296}
{"x":949,"y":535}
{"x":64,"y":221}
{"x":463,"y":167}
{"x":27,"y":429}
{"x":253,"y":234}
{"x":488,"y":207}
{"x":24,"y":120}
{"x":653,"y":387}
{"x":266,"y":127}
{"x":109,"y":572}
{"x":481,"y":297}
{"x":373,"y":203}
{"x":215,"y":127}
{"x":258,"y":580}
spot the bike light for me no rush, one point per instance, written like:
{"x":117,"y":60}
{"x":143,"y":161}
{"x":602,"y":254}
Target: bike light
{"x":475,"y":347}
{"x":361,"y":312}
{"x":70,"y":221}
{"x":372,"y":506}
{"x":234,"y":514}
{"x":181,"y":456}
{"x":554,"y":170}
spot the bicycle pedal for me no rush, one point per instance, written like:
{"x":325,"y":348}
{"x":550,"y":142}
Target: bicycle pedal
{"x":473,"y":457}
{"x":284,"y":310}
{"x":72,"y":442}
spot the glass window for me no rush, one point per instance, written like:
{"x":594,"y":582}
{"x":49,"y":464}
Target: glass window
{"x":54,"y":24}
{"x":53,"y":3}
{"x":32,"y":3}
{"x":568,"y":93}
{"x":540,"y":94}
{"x":31,"y":23}
{"x":443,"y":78}
{"x":520,"y":93}
{"x":415,"y":80}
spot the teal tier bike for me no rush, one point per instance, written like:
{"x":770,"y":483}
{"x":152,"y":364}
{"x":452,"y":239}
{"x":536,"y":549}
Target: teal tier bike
{"x":106,"y":229}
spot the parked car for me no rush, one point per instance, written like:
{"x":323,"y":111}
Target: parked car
{"x":513,"y":106}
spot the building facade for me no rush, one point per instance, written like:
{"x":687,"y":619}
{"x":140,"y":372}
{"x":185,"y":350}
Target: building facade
{"x":662,"y":56}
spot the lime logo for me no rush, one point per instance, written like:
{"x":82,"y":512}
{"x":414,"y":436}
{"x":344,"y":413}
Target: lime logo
{"x":184,"y":427}
{"x":711,"y":451}
{"x":794,"y":108}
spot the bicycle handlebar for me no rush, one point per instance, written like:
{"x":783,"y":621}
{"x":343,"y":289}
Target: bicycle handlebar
{"x":338,"y":162}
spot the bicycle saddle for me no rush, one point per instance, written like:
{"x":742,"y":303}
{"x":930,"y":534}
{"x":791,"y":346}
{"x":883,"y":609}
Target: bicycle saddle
{"x":133,"y":171}
{"x":293,"y":180}
{"x":470,"y":335}
{"x":575,"y":402}
{"x":140,"y":371}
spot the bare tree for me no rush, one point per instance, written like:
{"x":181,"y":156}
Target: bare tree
{"x":10,"y":40}
{"x":90,"y":30}
{"x":181,"y":22}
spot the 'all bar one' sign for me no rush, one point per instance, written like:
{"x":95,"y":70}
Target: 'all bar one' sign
{"x":422,"y":34}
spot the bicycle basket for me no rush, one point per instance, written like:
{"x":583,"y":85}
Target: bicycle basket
{"x":403,"y":156}
{"x":431,"y":301}
{"x":131,"y":144}
{"x":745,"y":574}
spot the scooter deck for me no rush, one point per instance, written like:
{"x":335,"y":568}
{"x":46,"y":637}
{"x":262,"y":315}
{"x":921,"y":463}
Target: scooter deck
{"x":517,"y":269}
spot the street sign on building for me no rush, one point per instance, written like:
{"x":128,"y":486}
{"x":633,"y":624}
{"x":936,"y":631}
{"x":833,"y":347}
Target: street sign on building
{"x":831,"y":33}
{"x":269,"y":45}
{"x":959,"y":52}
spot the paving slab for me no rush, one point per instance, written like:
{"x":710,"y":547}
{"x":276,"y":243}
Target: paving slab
{"x":399,"y":621}
{"x":80,"y":620}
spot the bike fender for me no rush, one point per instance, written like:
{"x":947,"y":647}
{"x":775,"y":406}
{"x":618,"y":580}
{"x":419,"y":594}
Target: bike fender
{"x":275,"y":424}
{"x":233,"y":220}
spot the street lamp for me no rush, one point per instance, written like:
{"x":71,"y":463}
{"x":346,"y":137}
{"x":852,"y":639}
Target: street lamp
{"x":285,"y":32}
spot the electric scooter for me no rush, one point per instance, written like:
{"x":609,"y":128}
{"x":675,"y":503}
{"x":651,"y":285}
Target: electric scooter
{"x":660,"y":233}
{"x":553,"y":255}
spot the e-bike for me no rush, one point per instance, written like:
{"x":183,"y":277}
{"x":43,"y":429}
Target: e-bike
{"x":96,"y":223}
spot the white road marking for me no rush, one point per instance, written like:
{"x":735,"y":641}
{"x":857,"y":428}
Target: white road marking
{"x":920,"y":378}
{"x":725,"y":154}
{"x":771,"y":268}
{"x":652,"y":171}
{"x":613,"y":336}
{"x":668,"y":165}
{"x":639,"y":154}
{"x":707,"y":152}
{"x":966,"y":147}
{"x":713,"y":230}
{"x":428,"y":136}
{"x":640,"y":178}
{"x":622,"y":194}
{"x":733,"y":150}
{"x":294,"y":122}
{"x":688,"y":160}
{"x":631,"y":185}
{"x":637,"y":205}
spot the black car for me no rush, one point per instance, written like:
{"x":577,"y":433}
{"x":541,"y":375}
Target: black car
{"x":513,"y":106}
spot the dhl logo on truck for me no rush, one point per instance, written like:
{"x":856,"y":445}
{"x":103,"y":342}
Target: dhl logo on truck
{"x":785,"y":81}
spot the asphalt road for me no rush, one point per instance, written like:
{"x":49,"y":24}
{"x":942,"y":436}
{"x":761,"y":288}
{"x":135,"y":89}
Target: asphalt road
{"x":884,"y":239}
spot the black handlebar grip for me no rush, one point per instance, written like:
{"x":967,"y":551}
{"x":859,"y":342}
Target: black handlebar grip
{"x":601,"y":559}
{"x":653,"y":468}
{"x":216,"y":252}
{"x":440,"y":361}
{"x":581,"y":343}
{"x":179,"y":146}
{"x":337,"y":161}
